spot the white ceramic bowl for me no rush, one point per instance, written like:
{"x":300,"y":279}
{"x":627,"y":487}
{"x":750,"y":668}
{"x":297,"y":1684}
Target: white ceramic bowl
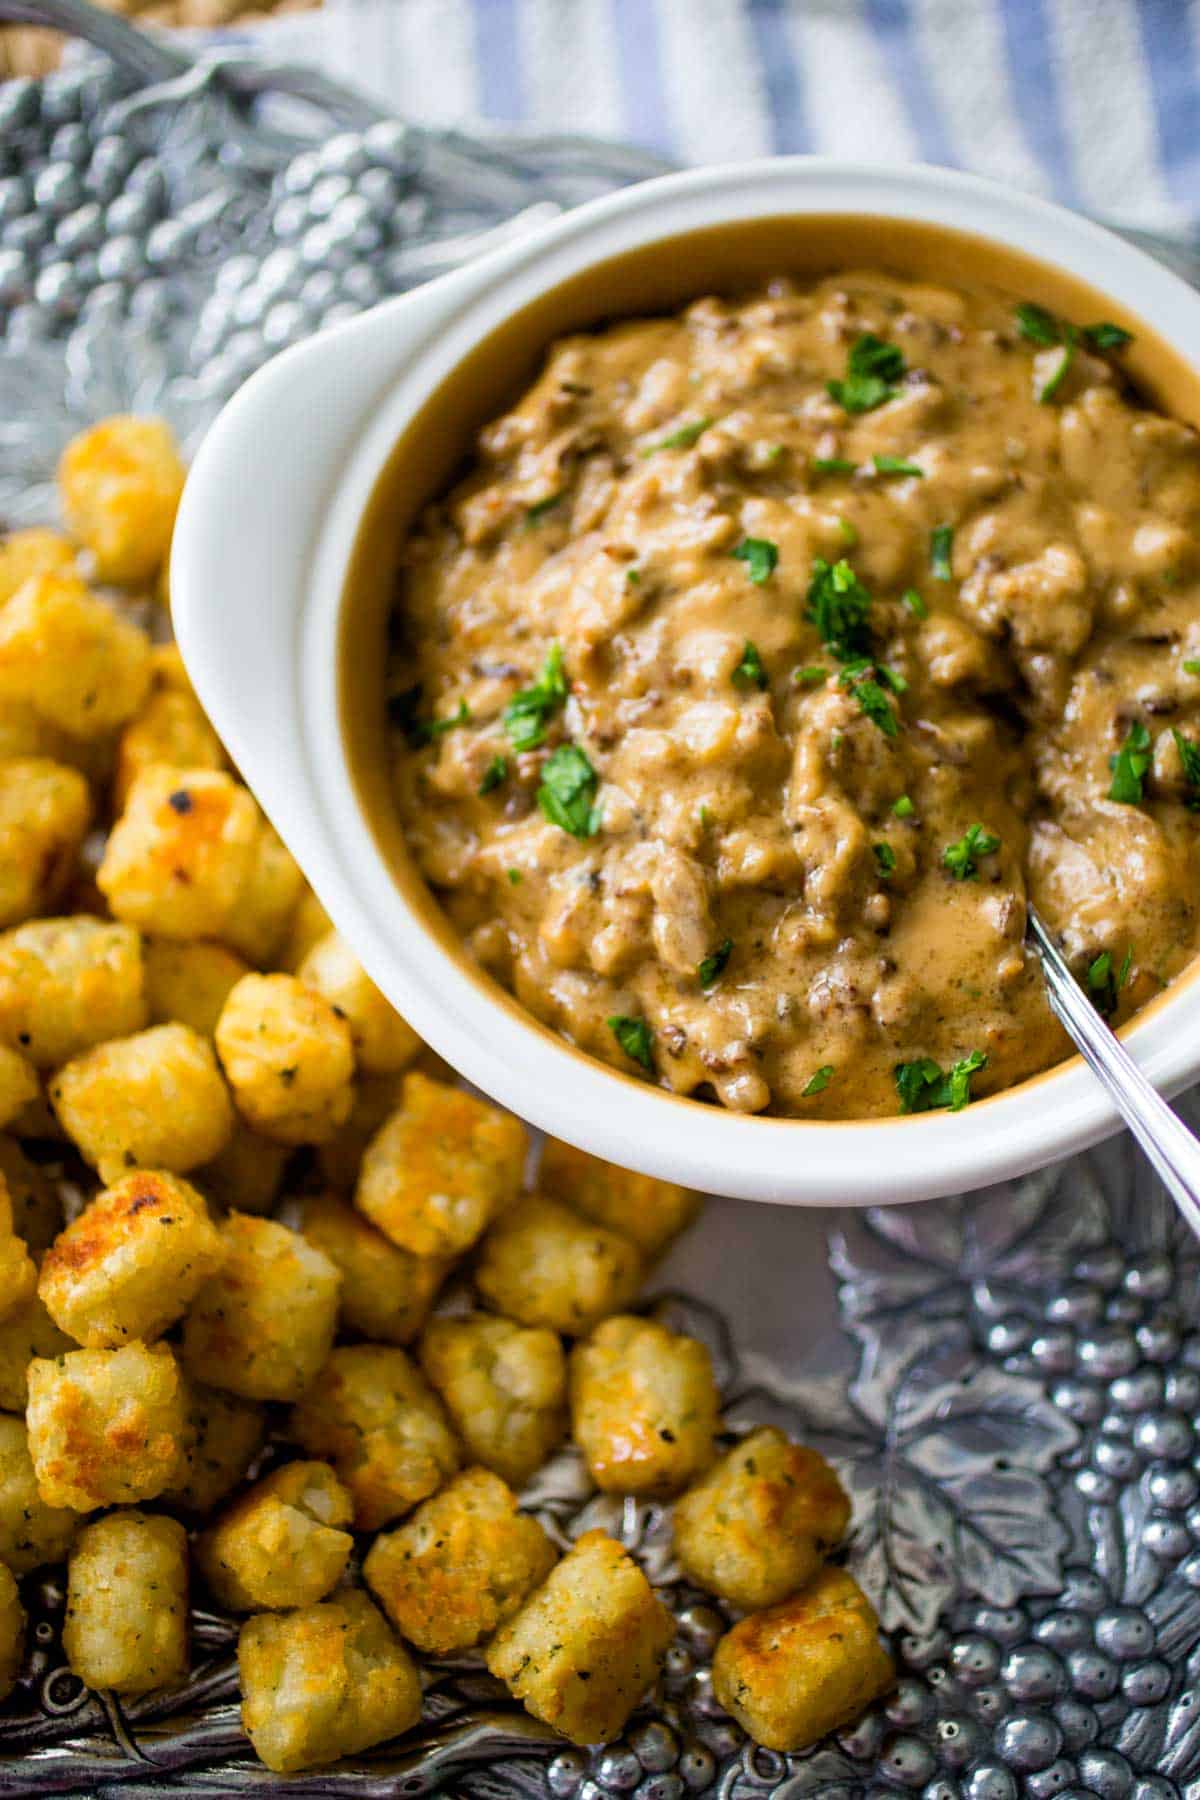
{"x":262,"y":548}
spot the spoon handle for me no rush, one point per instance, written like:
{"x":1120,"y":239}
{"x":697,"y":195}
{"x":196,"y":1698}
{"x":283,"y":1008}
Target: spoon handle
{"x":1168,"y":1144}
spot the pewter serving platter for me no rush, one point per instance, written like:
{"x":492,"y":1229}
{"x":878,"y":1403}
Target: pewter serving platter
{"x":1008,"y":1383}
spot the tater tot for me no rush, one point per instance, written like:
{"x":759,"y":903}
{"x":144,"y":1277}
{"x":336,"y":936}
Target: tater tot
{"x":152,"y":1101}
{"x":760,"y":1523}
{"x":804,"y":1668}
{"x":66,"y":984}
{"x":383,"y":1042}
{"x":381,"y":1426}
{"x":247,"y":1174}
{"x":32,"y":1532}
{"x":263,"y":1324}
{"x":33,"y":551}
{"x":376,"y":1098}
{"x":324,"y":1682}
{"x":222,"y":1436}
{"x":387,"y":1294}
{"x":12,"y":1632}
{"x":69,"y":656}
{"x":45,"y":809}
{"x":18,"y":1084}
{"x":644,"y":1406}
{"x":441,"y":1169}
{"x":106,"y":1426}
{"x":288,"y":1057}
{"x":171,"y":731}
{"x":119,"y":483}
{"x":648,"y":1212}
{"x":543,"y":1265}
{"x":190,"y":982}
{"x":259,"y":922}
{"x":132,"y":1262}
{"x":282,"y":1543}
{"x":460,"y":1566}
{"x":127,"y":1590}
{"x":587,"y":1644}
{"x":28,"y":1331}
{"x":180,"y":854}
{"x":308,"y":924}
{"x":18,"y":1273}
{"x":504,"y":1386}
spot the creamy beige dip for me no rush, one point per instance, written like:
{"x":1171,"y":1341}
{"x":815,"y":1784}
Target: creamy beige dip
{"x":736,"y":714}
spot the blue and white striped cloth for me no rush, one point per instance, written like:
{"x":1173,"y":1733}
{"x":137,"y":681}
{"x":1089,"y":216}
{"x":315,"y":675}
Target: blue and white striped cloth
{"x":1094,"y":102}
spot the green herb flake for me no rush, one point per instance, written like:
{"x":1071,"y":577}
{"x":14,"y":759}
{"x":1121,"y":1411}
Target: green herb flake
{"x":682,"y":439}
{"x":714,"y":965}
{"x":896,"y":465}
{"x":885,"y":860}
{"x":750,"y":671}
{"x":635,"y":1038}
{"x":839,"y":606}
{"x":1129,"y":765}
{"x":772,"y":453}
{"x":1036,"y":325}
{"x":632,"y":577}
{"x":514,"y":877}
{"x":809,"y":675}
{"x":1105,"y":984}
{"x":1053,"y":382}
{"x":923,"y":1087}
{"x":848,"y":532}
{"x":816,"y":1084}
{"x":865,"y":687}
{"x":1191,"y":665}
{"x":403,"y":711}
{"x":833,"y":465}
{"x":540,"y":508}
{"x":760,"y":556}
{"x":494,"y":774}
{"x":1189,"y":756}
{"x":872,"y":370}
{"x":529,"y":712}
{"x":706,"y":817}
{"x":941,"y":547}
{"x":960,"y":858}
{"x":567,"y":791}
{"x":1107,"y":336}
{"x":903,"y":808}
{"x":915,"y":604}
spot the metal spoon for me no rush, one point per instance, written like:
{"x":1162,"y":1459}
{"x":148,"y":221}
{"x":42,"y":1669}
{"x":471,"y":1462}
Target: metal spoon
{"x":1166,"y":1140}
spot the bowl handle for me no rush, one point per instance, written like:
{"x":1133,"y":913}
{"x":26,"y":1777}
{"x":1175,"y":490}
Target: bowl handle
{"x":255,"y":497}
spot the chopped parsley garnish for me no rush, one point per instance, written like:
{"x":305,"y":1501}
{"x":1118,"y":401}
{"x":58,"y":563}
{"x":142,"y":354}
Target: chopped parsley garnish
{"x":865,"y":681}
{"x":885,"y":859}
{"x":772,"y":453}
{"x":816,"y":1084}
{"x":1189,"y":756}
{"x":760,"y":556}
{"x":635,"y":1038}
{"x":632,"y":577}
{"x":941,"y":545}
{"x":568,"y":789}
{"x":1105,"y":983}
{"x":1057,"y":375}
{"x":514,"y":877}
{"x":1192,"y":665}
{"x":1107,"y":336}
{"x":682,"y":439}
{"x":540,"y":508}
{"x":714,"y":965}
{"x":809,"y":675}
{"x":1036,"y":325}
{"x":494,"y":774}
{"x":833,"y":465}
{"x":1129,"y":765}
{"x":849,"y":532}
{"x":896,"y":465}
{"x":960,"y":858}
{"x":903,"y":808}
{"x":839,"y":606}
{"x":750,"y":671}
{"x":872,"y":370}
{"x":528,"y":713}
{"x":402,"y":710}
{"x":915,"y":604}
{"x":923,"y":1087}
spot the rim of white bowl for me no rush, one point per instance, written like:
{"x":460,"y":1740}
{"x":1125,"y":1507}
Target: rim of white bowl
{"x":553,"y":1086}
